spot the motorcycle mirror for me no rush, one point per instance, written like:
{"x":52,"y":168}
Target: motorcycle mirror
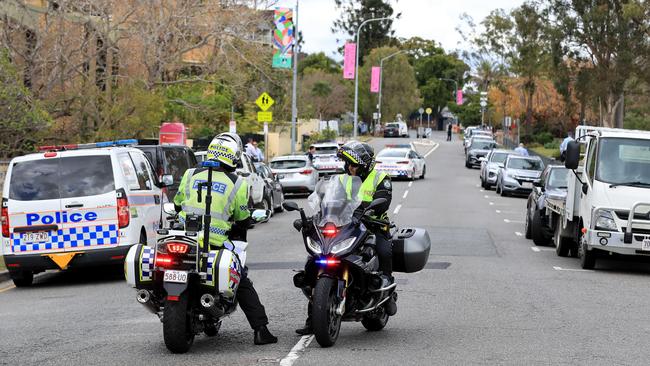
{"x":260,"y":215}
{"x":169,"y":209}
{"x":167,"y":180}
{"x":290,"y":206}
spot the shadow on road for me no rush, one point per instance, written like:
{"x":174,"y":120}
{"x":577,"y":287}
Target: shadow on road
{"x":81,"y":276}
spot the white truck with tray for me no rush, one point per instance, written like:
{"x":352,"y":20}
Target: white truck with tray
{"x":607,"y":209}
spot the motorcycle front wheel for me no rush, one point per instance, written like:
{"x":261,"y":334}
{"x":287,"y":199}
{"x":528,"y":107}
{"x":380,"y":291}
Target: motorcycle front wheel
{"x":326,"y":322}
{"x":177,"y":325}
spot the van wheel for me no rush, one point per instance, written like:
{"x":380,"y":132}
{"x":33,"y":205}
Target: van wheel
{"x":562,"y":245}
{"x":587,"y":257}
{"x":23,"y":278}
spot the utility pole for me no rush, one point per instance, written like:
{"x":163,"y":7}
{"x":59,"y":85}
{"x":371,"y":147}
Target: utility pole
{"x":294,"y":106}
{"x":356,"y":74}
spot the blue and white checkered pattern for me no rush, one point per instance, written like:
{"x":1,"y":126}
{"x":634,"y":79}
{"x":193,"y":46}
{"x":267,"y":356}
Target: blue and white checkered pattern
{"x":393,"y":172}
{"x":69,"y":238}
{"x":147,"y":263}
{"x":209,"y":279}
{"x":218,"y":231}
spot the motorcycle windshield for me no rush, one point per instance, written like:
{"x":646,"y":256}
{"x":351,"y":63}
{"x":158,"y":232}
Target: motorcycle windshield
{"x":334,"y":200}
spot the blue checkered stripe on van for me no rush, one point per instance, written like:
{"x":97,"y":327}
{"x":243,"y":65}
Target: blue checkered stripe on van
{"x":74,"y":237}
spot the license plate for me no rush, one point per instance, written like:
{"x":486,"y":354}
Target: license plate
{"x":36,"y":237}
{"x":645,"y":245}
{"x":527,"y":184}
{"x":175,"y":276}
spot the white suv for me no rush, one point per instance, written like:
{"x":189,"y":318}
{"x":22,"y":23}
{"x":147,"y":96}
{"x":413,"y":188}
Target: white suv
{"x":77,"y":205}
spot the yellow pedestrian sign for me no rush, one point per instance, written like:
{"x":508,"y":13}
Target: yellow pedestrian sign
{"x":429,"y":110}
{"x":264,"y":116}
{"x":264,"y":101}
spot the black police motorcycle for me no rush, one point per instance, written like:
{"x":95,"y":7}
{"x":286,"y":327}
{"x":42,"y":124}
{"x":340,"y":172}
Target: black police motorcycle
{"x":189,"y":286}
{"x":341,"y":277}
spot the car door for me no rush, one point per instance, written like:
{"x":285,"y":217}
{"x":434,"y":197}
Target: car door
{"x":256,"y":182}
{"x":417,"y":162}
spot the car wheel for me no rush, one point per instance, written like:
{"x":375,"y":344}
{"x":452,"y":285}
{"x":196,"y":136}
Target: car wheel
{"x":467,"y":164}
{"x":280,"y":208}
{"x":424,"y":171}
{"x":502,"y":192}
{"x":528,"y":233}
{"x":271,"y":204}
{"x":537,"y":229}
{"x":22,"y":278}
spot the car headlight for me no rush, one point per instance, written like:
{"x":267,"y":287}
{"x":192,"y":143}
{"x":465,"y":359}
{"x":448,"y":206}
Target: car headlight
{"x":605,"y":220}
{"x":313,"y":246}
{"x":343,"y":245}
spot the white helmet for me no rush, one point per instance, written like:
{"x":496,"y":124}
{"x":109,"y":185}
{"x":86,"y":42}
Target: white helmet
{"x":226,"y":148}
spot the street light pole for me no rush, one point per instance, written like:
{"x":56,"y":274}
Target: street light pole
{"x":381,"y":79}
{"x":356,"y":74}
{"x":294,"y":106}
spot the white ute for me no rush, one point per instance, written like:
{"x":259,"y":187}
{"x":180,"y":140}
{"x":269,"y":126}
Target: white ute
{"x":608,"y":202}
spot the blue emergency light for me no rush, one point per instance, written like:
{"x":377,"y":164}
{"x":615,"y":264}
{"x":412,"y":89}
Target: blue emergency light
{"x":91,"y":145}
{"x":210,"y":164}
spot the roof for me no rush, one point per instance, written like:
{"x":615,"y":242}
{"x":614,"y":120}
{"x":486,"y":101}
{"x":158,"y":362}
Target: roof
{"x":290,"y":157}
{"x":517,"y":156}
{"x":612,"y":132}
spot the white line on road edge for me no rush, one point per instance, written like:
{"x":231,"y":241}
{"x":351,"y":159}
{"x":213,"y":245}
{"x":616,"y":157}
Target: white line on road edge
{"x":535,"y":249}
{"x":410,"y":184}
{"x":518,"y":233}
{"x":295,"y":352}
{"x":482,"y":190}
{"x":397,"y":209}
{"x":498,"y":211}
{"x":431,"y":151}
{"x":491,"y":203}
{"x":571,"y":269}
{"x":405,"y":194}
{"x":486,"y":196}
{"x":512,"y":221}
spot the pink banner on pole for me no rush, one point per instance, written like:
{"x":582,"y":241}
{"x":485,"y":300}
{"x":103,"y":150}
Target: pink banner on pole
{"x":459,"y":97}
{"x":374,"y":79}
{"x":349,"y":60}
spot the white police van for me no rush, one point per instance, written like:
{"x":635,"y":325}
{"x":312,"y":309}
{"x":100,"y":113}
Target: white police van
{"x":77,"y":205}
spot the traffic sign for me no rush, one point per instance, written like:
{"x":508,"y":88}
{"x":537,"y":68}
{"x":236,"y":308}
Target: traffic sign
{"x":421,"y":110}
{"x":429,"y":110}
{"x":264,"y":116}
{"x":264,"y":101}
{"x":483,"y":103}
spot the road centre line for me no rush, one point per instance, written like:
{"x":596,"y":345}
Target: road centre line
{"x":405,"y":194}
{"x":410,"y":184}
{"x":572,"y":269}
{"x":396,"y":211}
{"x":295,"y":352}
{"x":431,"y":151}
{"x":508,"y":221}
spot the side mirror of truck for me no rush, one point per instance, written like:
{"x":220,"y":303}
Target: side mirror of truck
{"x":572,"y":155}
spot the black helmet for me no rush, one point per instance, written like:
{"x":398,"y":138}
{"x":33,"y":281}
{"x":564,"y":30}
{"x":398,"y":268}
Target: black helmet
{"x":358,"y":153}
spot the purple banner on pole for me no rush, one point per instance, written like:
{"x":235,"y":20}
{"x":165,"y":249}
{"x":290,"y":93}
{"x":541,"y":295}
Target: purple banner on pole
{"x":349,"y":60}
{"x":374,"y":79}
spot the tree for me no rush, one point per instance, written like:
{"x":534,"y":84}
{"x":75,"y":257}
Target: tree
{"x":319,"y":61}
{"x":323,"y":95}
{"x":374,"y":34}
{"x":22,"y":119}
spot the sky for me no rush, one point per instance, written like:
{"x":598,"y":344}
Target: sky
{"x":429,"y":19}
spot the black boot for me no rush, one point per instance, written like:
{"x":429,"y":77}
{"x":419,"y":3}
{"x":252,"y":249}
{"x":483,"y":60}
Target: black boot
{"x":264,"y":336}
{"x":306,"y":329}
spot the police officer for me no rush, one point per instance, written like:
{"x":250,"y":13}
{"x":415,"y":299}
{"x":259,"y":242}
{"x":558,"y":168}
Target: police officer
{"x":230,"y":218}
{"x":359,"y":158}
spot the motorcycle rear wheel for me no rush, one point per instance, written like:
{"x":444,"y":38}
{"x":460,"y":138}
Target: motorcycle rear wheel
{"x":177,"y":325}
{"x":326,"y":322}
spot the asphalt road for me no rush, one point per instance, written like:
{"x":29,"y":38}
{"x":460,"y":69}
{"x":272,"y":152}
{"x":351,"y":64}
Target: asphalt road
{"x":487,"y":297}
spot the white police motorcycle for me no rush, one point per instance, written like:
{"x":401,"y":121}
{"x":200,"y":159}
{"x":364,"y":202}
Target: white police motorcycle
{"x":189,"y":286}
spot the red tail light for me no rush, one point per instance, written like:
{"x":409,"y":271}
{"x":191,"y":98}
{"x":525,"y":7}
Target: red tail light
{"x":5,"y":222}
{"x":123,"y":214}
{"x":306,"y":171}
{"x":403,"y":162}
{"x":50,"y":154}
{"x":163,"y":260}
{"x":329,"y":230}
{"x":177,"y":248}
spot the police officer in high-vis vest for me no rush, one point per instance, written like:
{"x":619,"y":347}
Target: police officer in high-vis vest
{"x":230,"y":218}
{"x":359,"y":159}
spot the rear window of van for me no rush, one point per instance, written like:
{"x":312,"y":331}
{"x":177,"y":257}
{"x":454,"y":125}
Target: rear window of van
{"x":74,"y":176}
{"x":288,"y":164}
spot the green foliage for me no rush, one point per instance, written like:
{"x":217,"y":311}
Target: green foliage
{"x":22,"y":119}
{"x":322,"y":136}
{"x":323,"y":95}
{"x":205,"y":107}
{"x":319,"y":61}
{"x":638,"y":120}
{"x":470,"y":112}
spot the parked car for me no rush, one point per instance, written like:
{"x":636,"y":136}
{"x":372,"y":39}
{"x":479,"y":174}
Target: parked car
{"x":490,"y":166}
{"x":479,"y":147}
{"x":326,"y":160}
{"x":519,"y":175}
{"x":201,"y":156}
{"x":553,"y":185}
{"x":77,"y":206}
{"x":273,"y":194}
{"x":391,"y":131}
{"x":171,"y":160}
{"x":401,"y":162}
{"x":401,"y":127}
{"x":295,"y":172}
{"x":256,"y":184}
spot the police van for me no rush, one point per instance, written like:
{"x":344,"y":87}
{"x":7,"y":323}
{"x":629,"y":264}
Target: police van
{"x":77,"y":205}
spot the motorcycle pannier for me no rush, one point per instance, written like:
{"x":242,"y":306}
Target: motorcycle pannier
{"x":224,"y":272}
{"x":411,"y":248}
{"x":139,"y":266}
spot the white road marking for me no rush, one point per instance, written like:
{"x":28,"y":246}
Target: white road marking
{"x":498,"y":211}
{"x":486,"y":196}
{"x":572,"y":269}
{"x":410,"y":184}
{"x":512,"y":221}
{"x":396,"y":211}
{"x":405,"y":194}
{"x":518,"y":233}
{"x":535,"y":249}
{"x":482,"y":190}
{"x":491,"y":203}
{"x":431,"y":151}
{"x":295,"y":352}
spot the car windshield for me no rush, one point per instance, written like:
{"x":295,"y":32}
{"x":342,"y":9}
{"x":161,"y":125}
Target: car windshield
{"x":75,"y":176}
{"x":392,"y":125}
{"x":335,"y":200}
{"x":326,"y":150}
{"x":622,"y":160}
{"x":558,"y":178}
{"x":499,"y":157}
{"x":392,"y":153}
{"x":288,"y":164}
{"x":525,"y":164}
{"x":483,"y":144}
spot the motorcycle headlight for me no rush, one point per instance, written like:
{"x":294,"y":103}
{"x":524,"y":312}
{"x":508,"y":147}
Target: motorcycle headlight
{"x":343,"y":245}
{"x":605,"y":220}
{"x":313,"y":246}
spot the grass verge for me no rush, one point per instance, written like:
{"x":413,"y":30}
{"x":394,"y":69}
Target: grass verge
{"x":551,"y":153}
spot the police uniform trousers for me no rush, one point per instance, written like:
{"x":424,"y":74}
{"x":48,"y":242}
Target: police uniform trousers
{"x":250,"y":303}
